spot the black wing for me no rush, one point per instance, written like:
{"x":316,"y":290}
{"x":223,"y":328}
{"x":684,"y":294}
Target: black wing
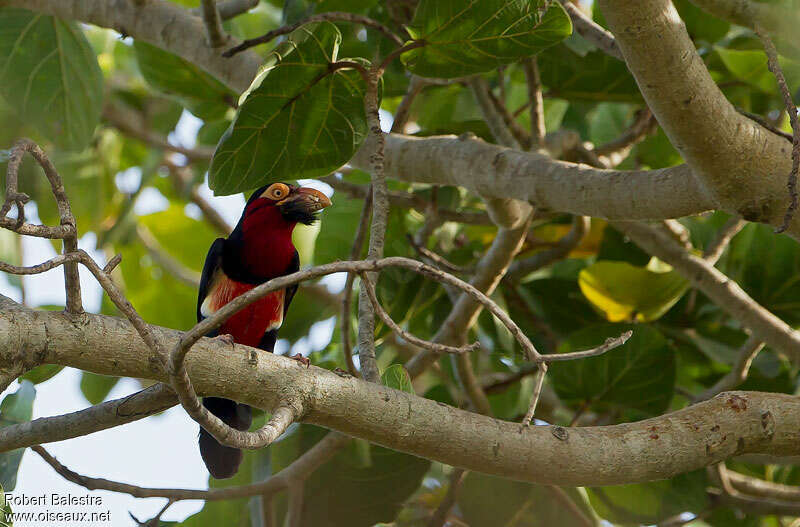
{"x":212,"y":265}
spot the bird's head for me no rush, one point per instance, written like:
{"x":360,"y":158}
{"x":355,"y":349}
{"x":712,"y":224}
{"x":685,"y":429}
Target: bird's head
{"x":290,"y":203}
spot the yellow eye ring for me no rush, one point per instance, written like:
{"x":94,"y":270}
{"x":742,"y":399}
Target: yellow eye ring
{"x":276,"y":191}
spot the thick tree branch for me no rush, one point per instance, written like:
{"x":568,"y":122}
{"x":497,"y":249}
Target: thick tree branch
{"x":717,"y":142}
{"x":492,"y":171}
{"x":733,"y":423}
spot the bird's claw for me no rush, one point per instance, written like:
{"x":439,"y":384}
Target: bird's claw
{"x":305,"y":361}
{"x":226,"y":338}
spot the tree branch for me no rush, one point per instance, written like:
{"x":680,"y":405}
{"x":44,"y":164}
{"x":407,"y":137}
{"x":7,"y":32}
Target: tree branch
{"x":738,"y":373}
{"x":537,"y":103}
{"x":109,"y":414}
{"x":522,"y":268}
{"x":591,"y":31}
{"x":716,"y":141}
{"x":347,"y":293}
{"x":748,"y":422}
{"x":213,"y":22}
{"x":230,"y":8}
{"x":719,"y":288}
{"x":332,"y":16}
{"x":492,"y":171}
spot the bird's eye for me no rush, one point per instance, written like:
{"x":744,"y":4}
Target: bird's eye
{"x":277,"y":191}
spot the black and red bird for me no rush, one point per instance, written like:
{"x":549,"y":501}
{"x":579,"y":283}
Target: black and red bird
{"x":259,"y":249}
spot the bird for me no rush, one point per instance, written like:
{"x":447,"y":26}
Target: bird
{"x":258,"y":249}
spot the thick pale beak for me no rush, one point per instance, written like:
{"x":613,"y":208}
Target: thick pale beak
{"x":310,"y":199}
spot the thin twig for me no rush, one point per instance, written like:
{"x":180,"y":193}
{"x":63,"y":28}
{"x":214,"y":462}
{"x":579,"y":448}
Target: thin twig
{"x":591,"y":31}
{"x":355,"y":253}
{"x":377,"y":232}
{"x":562,"y":248}
{"x":441,"y":513}
{"x":522,"y":136}
{"x":333,"y":16}
{"x":216,"y":35}
{"x":401,"y":115}
{"x":738,"y":374}
{"x":608,"y":345}
{"x":791,"y":109}
{"x":437,"y":259}
{"x":562,"y":497}
{"x":182,"y":179}
{"x":714,"y":250}
{"x":537,"y":103}
{"x":497,"y":125}
{"x":298,"y":471}
{"x":615,"y":151}
{"x":537,"y":391}
{"x":67,"y":231}
{"x":405,"y":335}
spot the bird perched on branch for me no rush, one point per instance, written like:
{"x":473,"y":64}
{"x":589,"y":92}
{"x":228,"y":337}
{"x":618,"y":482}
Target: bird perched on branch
{"x":259,"y":249}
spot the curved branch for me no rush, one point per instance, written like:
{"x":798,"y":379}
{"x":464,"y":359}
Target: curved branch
{"x":496,"y":172}
{"x":738,"y":374}
{"x":705,"y":433}
{"x":741,"y":163}
{"x":591,"y":31}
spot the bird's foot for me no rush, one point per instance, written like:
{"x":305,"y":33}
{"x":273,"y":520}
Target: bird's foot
{"x":226,"y":338}
{"x":305,"y":361}
{"x":341,"y":373}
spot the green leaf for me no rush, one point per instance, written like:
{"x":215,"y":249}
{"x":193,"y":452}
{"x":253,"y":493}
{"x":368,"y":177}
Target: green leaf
{"x":464,"y":37}
{"x":10,"y":253}
{"x":767,"y":266}
{"x":49,"y":74}
{"x":625,"y":292}
{"x":488,"y":501}
{"x":97,"y":387}
{"x":750,"y":66}
{"x":15,"y":408}
{"x":594,"y":76}
{"x":42,"y":373}
{"x":699,"y":24}
{"x":355,"y":488}
{"x":298,"y":119}
{"x":199,"y":92}
{"x":650,"y":503}
{"x":397,"y":377}
{"x":638,"y":376}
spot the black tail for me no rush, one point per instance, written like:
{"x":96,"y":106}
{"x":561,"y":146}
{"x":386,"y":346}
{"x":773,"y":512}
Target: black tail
{"x":223,"y":461}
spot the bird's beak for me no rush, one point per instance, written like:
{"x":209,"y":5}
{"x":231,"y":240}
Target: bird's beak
{"x":309,"y":199}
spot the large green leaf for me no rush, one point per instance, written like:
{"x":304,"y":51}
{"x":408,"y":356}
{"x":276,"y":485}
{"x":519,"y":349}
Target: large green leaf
{"x":649,"y":503}
{"x":355,"y":488}
{"x":638,"y":376}
{"x":15,"y":408}
{"x":626,"y":292}
{"x":750,"y":66}
{"x":97,"y":387}
{"x":464,"y":37}
{"x":767,"y":266}
{"x":297,"y":120}
{"x":397,"y":377}
{"x":488,"y":501}
{"x":202,"y":94}
{"x":49,"y":74}
{"x":594,"y":76}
